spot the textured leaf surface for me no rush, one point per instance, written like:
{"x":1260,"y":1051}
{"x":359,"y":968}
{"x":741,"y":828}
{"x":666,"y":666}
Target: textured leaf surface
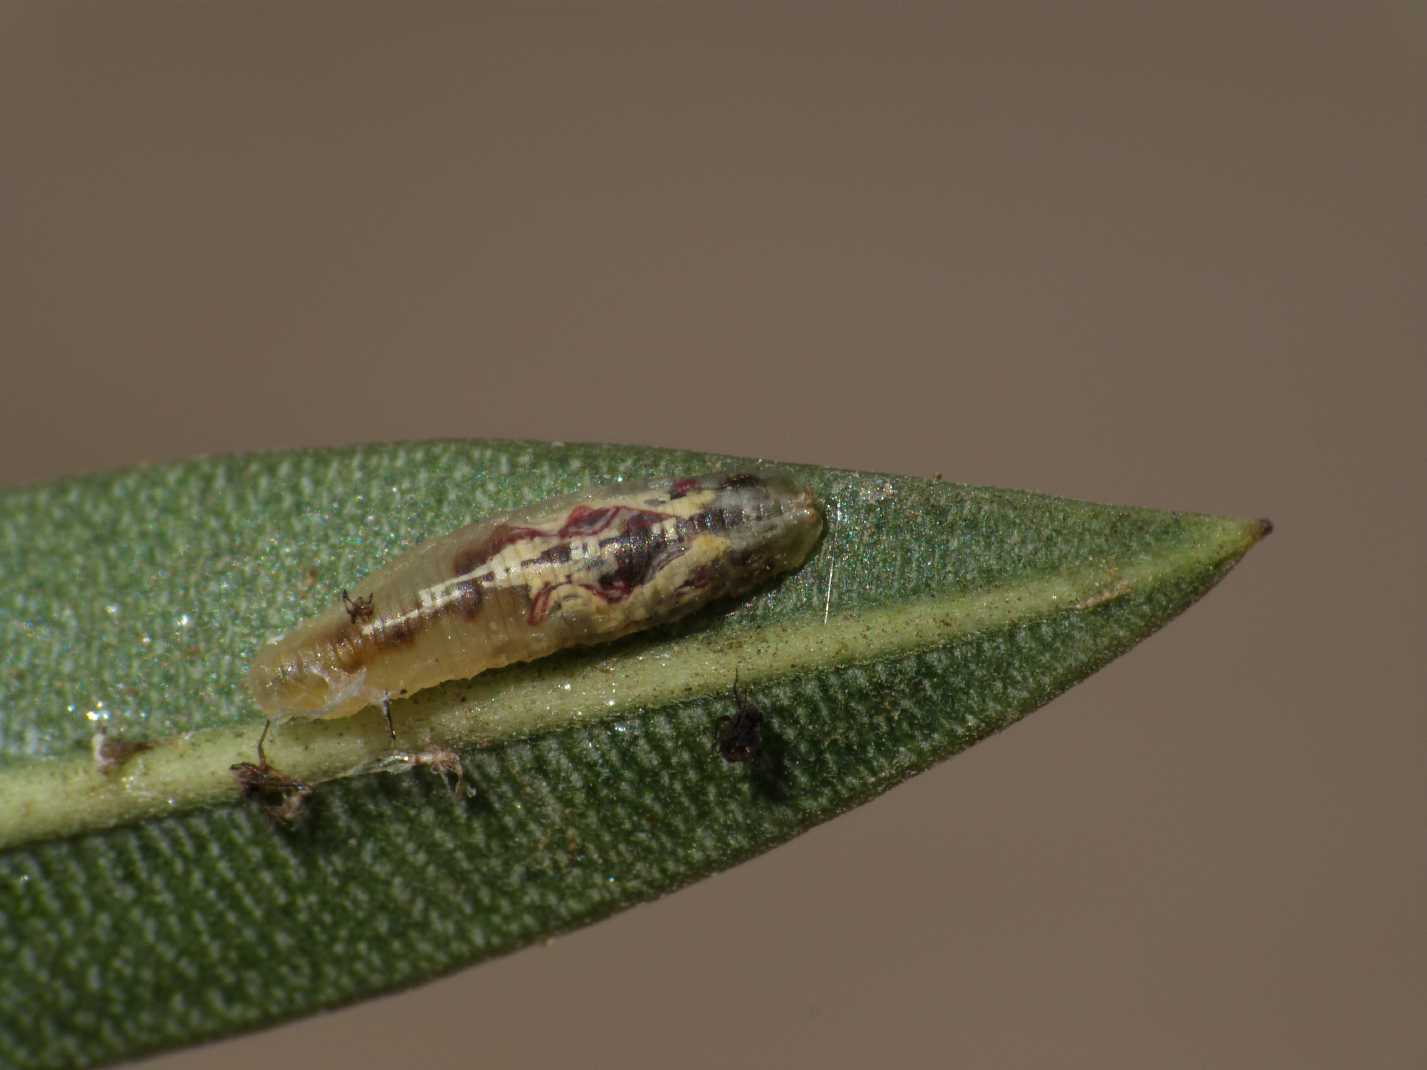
{"x":147,"y":909}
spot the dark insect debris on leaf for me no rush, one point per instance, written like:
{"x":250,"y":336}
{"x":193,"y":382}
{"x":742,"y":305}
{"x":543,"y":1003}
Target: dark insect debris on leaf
{"x":281,"y":797}
{"x":740,"y":736}
{"x":110,"y":752}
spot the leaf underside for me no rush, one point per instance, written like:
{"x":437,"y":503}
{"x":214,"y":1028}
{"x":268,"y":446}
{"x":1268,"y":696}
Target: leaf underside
{"x":147,"y":908}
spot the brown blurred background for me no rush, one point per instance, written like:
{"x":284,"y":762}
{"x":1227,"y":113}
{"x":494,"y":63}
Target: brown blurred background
{"x":1169,"y":255}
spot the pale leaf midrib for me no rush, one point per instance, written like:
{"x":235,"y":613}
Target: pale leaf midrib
{"x":50,"y":798}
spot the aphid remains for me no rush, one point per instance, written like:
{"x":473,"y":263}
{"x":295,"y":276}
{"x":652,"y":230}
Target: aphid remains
{"x":282,"y":797}
{"x":442,"y":761}
{"x":571,"y":571}
{"x":110,"y":752}
{"x":358,"y":609}
{"x":740,"y":737}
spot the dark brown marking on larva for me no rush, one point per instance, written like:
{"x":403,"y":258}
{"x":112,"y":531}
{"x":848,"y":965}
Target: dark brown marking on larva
{"x":468,"y":560}
{"x":469,"y":597}
{"x":691,"y":525}
{"x":399,"y":631}
{"x":477,"y":554}
{"x":358,"y":609}
{"x":717,"y":520}
{"x":754,"y":562}
{"x":349,"y":643}
{"x":354,"y":646}
{"x":638,"y":555}
{"x":740,"y":479}
{"x":472,"y":557}
{"x":726,"y":517}
{"x":640,"y":551}
{"x":559,"y":554}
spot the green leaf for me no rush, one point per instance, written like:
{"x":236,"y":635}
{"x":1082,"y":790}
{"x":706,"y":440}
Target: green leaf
{"x":147,"y":908}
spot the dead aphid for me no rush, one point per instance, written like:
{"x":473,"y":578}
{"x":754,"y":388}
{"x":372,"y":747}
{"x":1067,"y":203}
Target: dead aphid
{"x":110,"y":752}
{"x":282,"y":797}
{"x":358,"y":609}
{"x":740,"y":737}
{"x":446,"y":764}
{"x":440,"y":760}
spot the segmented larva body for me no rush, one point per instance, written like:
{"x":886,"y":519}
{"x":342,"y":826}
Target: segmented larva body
{"x":571,"y":571}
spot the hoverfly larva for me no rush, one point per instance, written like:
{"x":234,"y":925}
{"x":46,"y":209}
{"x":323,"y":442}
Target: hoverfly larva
{"x":570,"y":571}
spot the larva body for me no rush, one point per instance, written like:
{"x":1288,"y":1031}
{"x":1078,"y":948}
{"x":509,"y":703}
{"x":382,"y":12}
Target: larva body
{"x":571,"y":571}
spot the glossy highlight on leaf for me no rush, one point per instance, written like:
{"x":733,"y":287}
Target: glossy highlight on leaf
{"x":143,"y":907}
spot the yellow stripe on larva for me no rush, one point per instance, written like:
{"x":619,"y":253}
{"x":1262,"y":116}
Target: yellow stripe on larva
{"x":572,"y":571}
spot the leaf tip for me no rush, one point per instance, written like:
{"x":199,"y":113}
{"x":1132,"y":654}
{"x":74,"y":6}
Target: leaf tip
{"x":1246,"y":534}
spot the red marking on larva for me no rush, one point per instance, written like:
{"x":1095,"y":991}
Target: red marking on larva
{"x":540,"y":604}
{"x":584,"y":520}
{"x":682,"y":487}
{"x":615,"y":588}
{"x":581,"y":521}
{"x":700,"y":579}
